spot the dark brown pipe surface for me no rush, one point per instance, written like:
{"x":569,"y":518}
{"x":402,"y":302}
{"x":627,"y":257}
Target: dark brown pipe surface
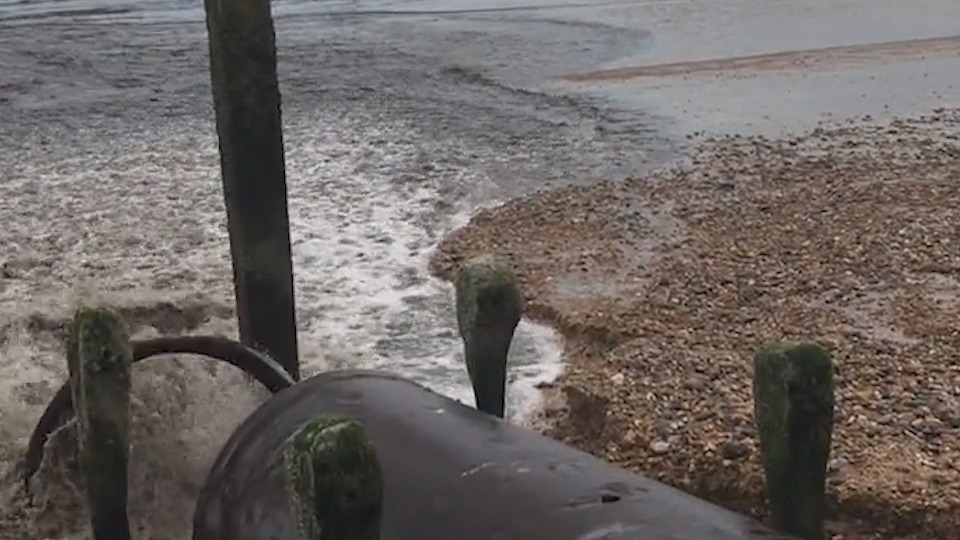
{"x":450,"y":473}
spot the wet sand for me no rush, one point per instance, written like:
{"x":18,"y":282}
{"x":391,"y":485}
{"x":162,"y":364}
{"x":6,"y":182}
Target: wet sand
{"x":825,"y":58}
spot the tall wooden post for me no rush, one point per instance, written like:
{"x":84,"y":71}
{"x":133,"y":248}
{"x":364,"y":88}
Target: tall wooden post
{"x":243,"y":69}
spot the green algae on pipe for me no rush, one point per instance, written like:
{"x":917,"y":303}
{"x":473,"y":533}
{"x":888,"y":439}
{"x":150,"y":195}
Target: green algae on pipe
{"x":99,"y":358}
{"x":793,"y":407}
{"x":334,"y":482}
{"x":489,"y":307}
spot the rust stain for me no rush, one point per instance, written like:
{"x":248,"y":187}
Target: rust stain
{"x":822,"y":58}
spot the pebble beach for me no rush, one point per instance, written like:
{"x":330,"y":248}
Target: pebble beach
{"x":665,"y":286}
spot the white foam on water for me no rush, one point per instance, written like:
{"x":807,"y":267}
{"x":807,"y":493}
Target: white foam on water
{"x":365,"y":219}
{"x":136,"y":218}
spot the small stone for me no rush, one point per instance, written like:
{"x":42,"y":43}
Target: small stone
{"x":836,"y":466}
{"x":659,"y":447}
{"x":734,"y":450}
{"x":704,"y":415}
{"x":664,"y":428}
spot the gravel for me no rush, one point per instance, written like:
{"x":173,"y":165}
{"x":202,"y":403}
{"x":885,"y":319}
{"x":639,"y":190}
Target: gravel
{"x":665,"y":286}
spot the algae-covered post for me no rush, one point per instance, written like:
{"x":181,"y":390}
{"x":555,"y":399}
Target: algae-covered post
{"x":243,"y":69}
{"x":334,"y":481}
{"x":489,"y":307}
{"x":793,"y":406}
{"x":99,"y":357}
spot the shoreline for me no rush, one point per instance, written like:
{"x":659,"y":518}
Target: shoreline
{"x":663,"y":287}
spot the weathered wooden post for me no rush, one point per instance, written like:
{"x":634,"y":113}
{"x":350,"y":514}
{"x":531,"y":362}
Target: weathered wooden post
{"x":334,"y":481}
{"x":99,"y":358}
{"x":489,"y":307}
{"x":246,"y":95}
{"x":793,"y":406}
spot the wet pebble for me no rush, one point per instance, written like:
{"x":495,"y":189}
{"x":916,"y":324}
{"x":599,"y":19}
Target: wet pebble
{"x":734,"y":450}
{"x":659,"y":447}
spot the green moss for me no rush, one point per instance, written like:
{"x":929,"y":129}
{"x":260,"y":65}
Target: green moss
{"x":793,"y":405}
{"x":334,"y":481}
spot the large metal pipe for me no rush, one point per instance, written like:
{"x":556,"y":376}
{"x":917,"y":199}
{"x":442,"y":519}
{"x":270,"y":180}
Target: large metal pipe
{"x":450,"y":472}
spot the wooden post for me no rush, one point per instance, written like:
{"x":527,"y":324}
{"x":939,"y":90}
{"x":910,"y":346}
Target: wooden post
{"x":246,"y":95}
{"x":793,"y":406}
{"x":99,"y":358}
{"x":489,"y":307}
